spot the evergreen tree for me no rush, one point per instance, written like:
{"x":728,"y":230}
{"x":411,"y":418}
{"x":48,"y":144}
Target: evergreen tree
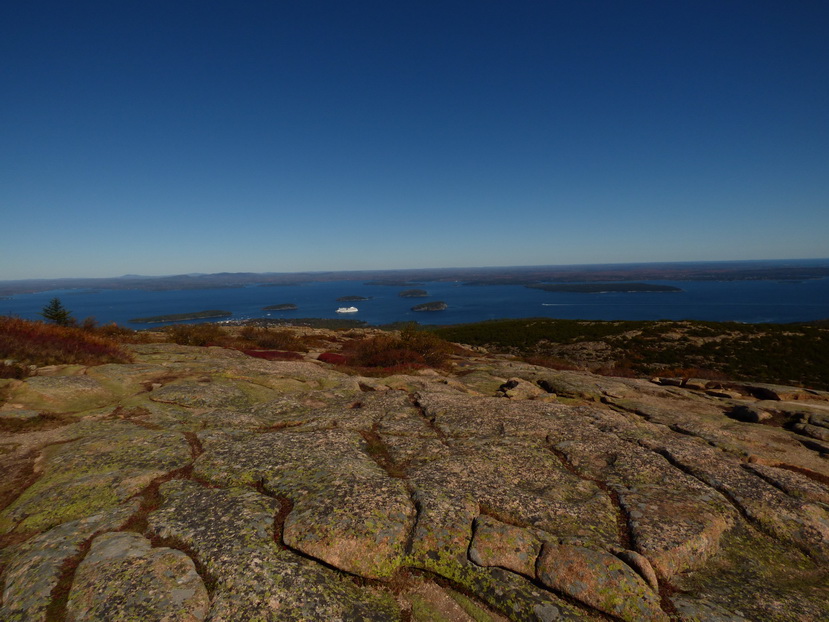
{"x":57,"y":313}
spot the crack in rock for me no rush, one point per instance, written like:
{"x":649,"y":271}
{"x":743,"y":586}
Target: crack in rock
{"x":802,"y":524}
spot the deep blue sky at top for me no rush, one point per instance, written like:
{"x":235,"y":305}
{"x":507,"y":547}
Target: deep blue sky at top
{"x":204,"y":136}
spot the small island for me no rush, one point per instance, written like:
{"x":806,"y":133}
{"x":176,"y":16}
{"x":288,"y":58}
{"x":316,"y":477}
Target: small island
{"x":352,"y":298}
{"x":413,"y":293}
{"x":288,"y":306}
{"x":182,"y":317}
{"x":600,"y":288}
{"x":438,"y":305}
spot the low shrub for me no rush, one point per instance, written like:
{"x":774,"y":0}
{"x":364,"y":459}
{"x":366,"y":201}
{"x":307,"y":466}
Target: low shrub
{"x":411,"y":347}
{"x":196,"y":334}
{"x":37,"y":343}
{"x":11,"y":369}
{"x":260,"y":342}
{"x":264,"y":337}
{"x":122,"y":334}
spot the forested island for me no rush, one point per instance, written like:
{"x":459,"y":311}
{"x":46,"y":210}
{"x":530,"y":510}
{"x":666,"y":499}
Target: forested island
{"x":352,"y":298}
{"x":438,"y":305}
{"x":182,"y":317}
{"x":599,"y":288}
{"x":288,"y":306}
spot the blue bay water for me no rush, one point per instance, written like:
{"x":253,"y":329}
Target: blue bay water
{"x":740,"y":301}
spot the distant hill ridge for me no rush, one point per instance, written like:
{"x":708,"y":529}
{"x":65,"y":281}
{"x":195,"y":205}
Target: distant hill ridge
{"x":523,"y":275}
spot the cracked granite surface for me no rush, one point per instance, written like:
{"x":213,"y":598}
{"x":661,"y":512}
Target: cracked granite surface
{"x":202,"y":484}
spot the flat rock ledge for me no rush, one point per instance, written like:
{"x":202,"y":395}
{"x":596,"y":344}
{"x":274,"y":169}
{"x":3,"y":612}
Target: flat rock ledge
{"x":202,"y":484}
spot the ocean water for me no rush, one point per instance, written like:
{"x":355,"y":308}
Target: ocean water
{"x":739,"y":301}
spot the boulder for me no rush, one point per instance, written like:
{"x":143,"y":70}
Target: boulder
{"x":749,"y":414}
{"x":516,"y":388}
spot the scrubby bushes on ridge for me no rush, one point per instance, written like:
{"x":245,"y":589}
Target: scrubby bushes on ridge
{"x":778,"y":353}
{"x":37,"y":343}
{"x":248,"y":338}
{"x":411,"y":347}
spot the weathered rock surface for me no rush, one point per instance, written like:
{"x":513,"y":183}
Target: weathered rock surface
{"x":35,"y":568}
{"x":104,"y":466}
{"x":230,"y":533}
{"x":346,"y":510}
{"x":600,"y":580}
{"x":203,"y":484}
{"x":123,"y":577}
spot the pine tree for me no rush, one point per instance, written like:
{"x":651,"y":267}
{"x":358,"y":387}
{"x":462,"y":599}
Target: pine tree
{"x":57,"y":313}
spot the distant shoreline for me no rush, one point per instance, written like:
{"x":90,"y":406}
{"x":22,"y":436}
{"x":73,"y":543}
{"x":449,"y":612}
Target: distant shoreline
{"x":182,"y":317}
{"x":750,"y":301}
{"x":601,"y":288}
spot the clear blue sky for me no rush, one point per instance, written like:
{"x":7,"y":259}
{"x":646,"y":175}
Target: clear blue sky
{"x":166,"y":137}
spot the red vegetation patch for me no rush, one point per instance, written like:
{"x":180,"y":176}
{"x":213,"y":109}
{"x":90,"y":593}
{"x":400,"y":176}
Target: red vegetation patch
{"x":334,"y":359}
{"x":274,"y":355}
{"x":38,"y":343}
{"x":410,"y":348}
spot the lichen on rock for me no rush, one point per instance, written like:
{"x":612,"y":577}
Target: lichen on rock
{"x":201,"y":483}
{"x":124,"y":578}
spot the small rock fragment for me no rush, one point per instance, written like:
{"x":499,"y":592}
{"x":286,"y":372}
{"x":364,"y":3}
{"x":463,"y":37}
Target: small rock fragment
{"x":641,"y":565}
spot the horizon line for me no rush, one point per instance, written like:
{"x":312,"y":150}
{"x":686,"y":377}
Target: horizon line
{"x":402,"y":270}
